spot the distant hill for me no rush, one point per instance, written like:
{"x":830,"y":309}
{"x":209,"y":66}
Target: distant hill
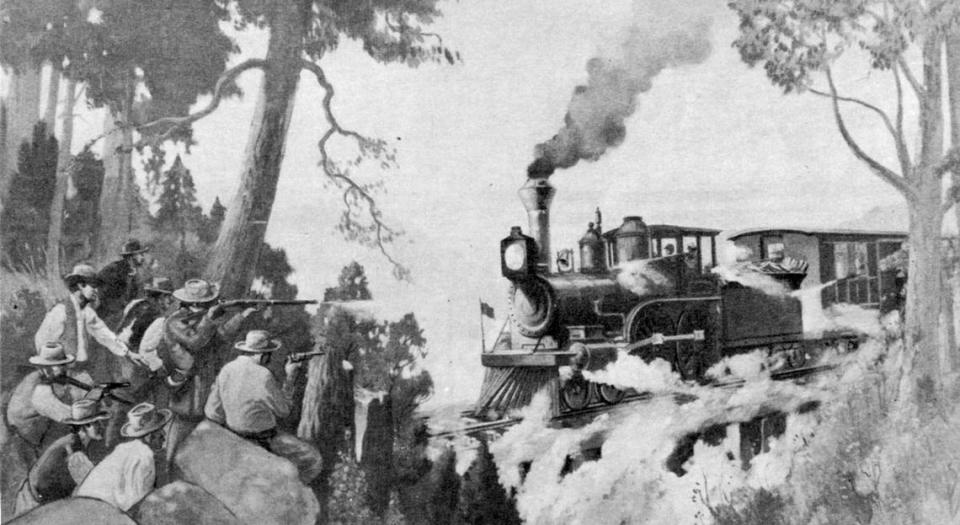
{"x":893,"y":218}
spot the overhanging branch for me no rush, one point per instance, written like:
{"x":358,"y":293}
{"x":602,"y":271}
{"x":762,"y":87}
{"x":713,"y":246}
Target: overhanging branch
{"x":882,"y":171}
{"x":353,"y":188}
{"x":176,"y":123}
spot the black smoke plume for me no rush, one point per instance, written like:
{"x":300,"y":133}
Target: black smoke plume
{"x":667,"y":33}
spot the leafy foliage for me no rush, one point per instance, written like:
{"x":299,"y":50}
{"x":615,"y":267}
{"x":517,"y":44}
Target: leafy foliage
{"x":26,"y":214}
{"x":351,"y":285}
{"x":348,"y":490}
{"x":795,"y":39}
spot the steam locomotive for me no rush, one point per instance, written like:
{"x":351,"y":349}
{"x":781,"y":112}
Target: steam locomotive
{"x":642,"y":289}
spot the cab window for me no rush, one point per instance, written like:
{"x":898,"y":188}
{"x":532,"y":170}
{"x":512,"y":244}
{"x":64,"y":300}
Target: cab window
{"x":773,"y":247}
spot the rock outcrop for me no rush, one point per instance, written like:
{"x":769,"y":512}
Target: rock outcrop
{"x":256,"y":486}
{"x":74,"y":511}
{"x":181,"y":502}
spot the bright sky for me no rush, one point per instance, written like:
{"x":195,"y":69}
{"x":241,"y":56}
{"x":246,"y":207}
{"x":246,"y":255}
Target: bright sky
{"x":710,"y":145}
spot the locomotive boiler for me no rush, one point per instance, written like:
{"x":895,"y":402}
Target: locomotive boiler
{"x":645,"y":290}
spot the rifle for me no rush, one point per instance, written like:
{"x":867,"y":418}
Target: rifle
{"x":303,"y":356}
{"x":246,"y":303}
{"x":97,"y":391}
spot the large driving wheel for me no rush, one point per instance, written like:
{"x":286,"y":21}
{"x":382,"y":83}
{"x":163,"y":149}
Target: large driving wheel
{"x":691,"y":361}
{"x":610,"y":394}
{"x":575,"y":393}
{"x":655,"y":319}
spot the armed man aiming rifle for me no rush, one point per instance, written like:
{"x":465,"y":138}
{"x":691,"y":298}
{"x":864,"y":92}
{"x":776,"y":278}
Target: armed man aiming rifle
{"x":197,"y":338}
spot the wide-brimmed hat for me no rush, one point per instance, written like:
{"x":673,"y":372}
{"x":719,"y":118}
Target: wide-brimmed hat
{"x":197,"y":291}
{"x":84,"y":273}
{"x":86,"y":411}
{"x":258,"y":342}
{"x":133,"y":247}
{"x":144,"y":419}
{"x":159,"y":285}
{"x":51,"y":354}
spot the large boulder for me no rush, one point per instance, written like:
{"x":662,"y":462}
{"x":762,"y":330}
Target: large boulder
{"x":74,"y":511}
{"x":181,"y":502}
{"x":260,"y":488}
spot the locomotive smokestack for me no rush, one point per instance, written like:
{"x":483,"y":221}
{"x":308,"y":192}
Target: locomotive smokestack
{"x":536,"y":195}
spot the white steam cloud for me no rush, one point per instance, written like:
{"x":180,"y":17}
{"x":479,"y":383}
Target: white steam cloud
{"x":641,"y":278}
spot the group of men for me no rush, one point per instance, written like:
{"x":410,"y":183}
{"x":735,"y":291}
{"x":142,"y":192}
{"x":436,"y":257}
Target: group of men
{"x":161,"y":347}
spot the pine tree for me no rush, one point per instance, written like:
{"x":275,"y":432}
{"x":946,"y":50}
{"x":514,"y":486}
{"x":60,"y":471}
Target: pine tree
{"x":444,"y":490}
{"x":483,"y":501}
{"x":26,"y":212}
{"x":210,"y":225}
{"x":178,"y":210}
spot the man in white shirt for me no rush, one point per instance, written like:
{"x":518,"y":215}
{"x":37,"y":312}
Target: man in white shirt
{"x":73,"y":322}
{"x":246,"y":399}
{"x":128,"y":474}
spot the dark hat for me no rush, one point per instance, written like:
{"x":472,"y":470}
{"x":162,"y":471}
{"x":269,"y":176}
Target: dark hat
{"x":133,"y":247}
{"x":82,"y":273}
{"x":86,"y":411}
{"x":144,"y":419}
{"x":51,"y":354}
{"x":197,"y":291}
{"x":159,"y":285}
{"x":258,"y":342}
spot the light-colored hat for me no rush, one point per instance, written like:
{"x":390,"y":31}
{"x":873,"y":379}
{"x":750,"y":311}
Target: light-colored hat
{"x":51,"y":354}
{"x":160,"y":285}
{"x":133,"y":247}
{"x":197,"y":291}
{"x":86,"y":411}
{"x":144,"y":419}
{"x":82,"y":272}
{"x":258,"y":342}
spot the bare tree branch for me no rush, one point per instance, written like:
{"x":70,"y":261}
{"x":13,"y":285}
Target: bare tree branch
{"x":911,"y":79}
{"x":176,"y":123}
{"x":895,"y":133}
{"x":902,"y":151}
{"x":882,"y":171}
{"x":352,"y":187}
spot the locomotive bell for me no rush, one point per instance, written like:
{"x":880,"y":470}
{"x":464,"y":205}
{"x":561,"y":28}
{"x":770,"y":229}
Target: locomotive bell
{"x":536,"y":195}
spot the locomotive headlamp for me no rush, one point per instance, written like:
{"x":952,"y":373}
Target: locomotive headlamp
{"x":515,"y":256}
{"x":518,"y":255}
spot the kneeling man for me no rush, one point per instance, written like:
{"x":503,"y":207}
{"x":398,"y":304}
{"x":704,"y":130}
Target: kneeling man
{"x":128,"y":474}
{"x":247,"y":400}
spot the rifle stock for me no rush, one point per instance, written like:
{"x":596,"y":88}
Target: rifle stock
{"x":303,"y":356}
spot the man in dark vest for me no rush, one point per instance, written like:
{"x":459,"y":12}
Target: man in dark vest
{"x":40,"y":405}
{"x":73,"y":323}
{"x":65,"y":463}
{"x":121,"y":281}
{"x":138,"y":317}
{"x":197,"y":337}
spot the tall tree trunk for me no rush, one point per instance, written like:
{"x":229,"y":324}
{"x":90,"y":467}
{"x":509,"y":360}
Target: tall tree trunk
{"x":238,"y":245}
{"x":64,"y":161}
{"x":21,"y":109}
{"x":53,"y":93}
{"x":953,"y":89}
{"x":116,"y":197}
{"x":921,"y":379}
